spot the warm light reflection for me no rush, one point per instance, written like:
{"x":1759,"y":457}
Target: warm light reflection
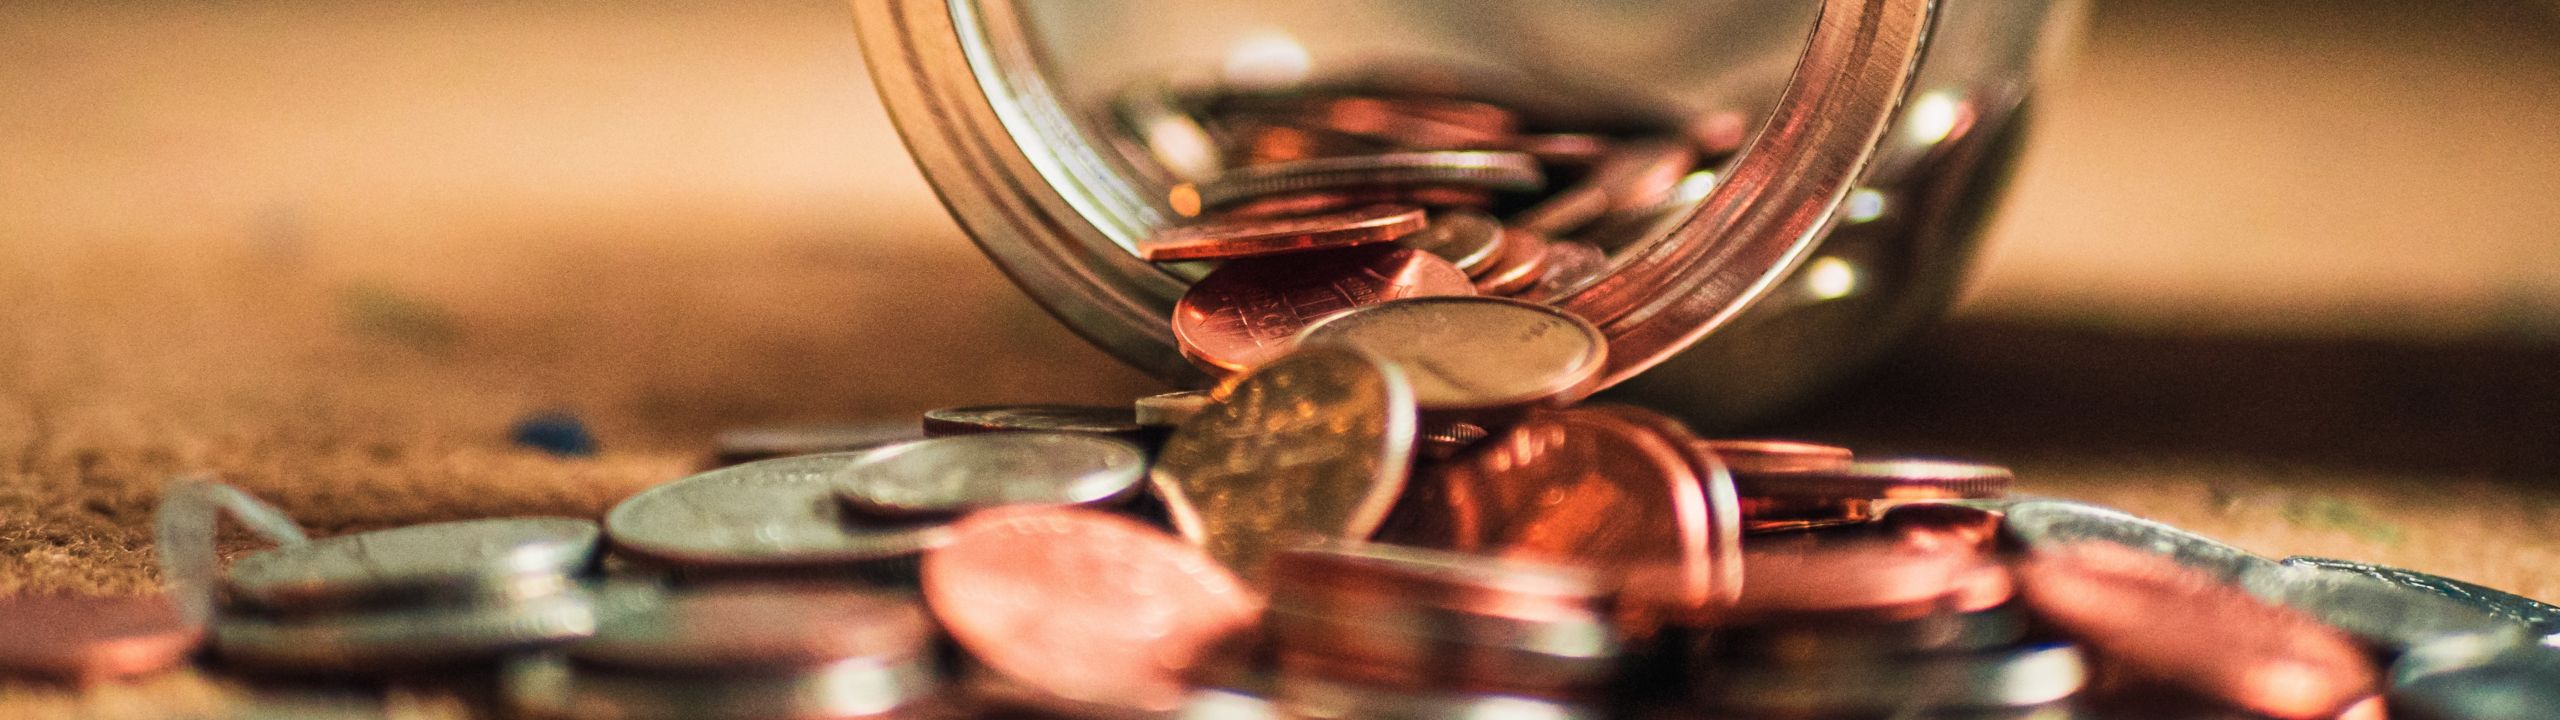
{"x":1267,"y":60}
{"x":1830,"y":278}
{"x":1695,"y":186}
{"x":1933,"y":117}
{"x":1864,"y":205}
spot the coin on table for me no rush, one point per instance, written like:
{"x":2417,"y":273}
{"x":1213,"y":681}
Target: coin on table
{"x":460,"y":560}
{"x":2539,"y":618}
{"x":1171,"y":409}
{"x":88,"y":639}
{"x":955,"y":474}
{"x":1091,"y":608}
{"x":2391,"y":617}
{"x":1314,"y":445}
{"x":403,"y":637}
{"x":1778,"y":456}
{"x":2059,"y":523}
{"x":1249,"y":311}
{"x":1118,"y":422}
{"x":1897,"y":479}
{"x":2166,"y":621}
{"x":2474,"y":678}
{"x":745,"y":445}
{"x":1475,"y":354}
{"x":759,"y":628}
{"x":1466,"y":238}
{"x":2030,"y":676}
{"x":774,"y":513}
{"x":1495,"y":170}
{"x":554,"y":687}
{"x":1227,"y":239}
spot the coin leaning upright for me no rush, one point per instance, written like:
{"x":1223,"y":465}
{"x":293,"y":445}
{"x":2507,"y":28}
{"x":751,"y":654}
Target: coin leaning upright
{"x":1314,"y":444}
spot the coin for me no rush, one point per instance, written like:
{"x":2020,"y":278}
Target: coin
{"x":1314,"y":696}
{"x":88,"y":639}
{"x":1494,"y":170}
{"x":1522,"y":262}
{"x":1877,"y":579}
{"x":1172,"y":136}
{"x":1569,"y":266}
{"x":950,"y":475}
{"x":1171,"y":409}
{"x":1778,"y":456}
{"x":2056,"y":523}
{"x":552,"y":687}
{"x":2472,"y":678}
{"x":1829,"y":640}
{"x":746,"y":445}
{"x":1417,"y":619}
{"x":2392,"y":617}
{"x":400,"y":638}
{"x":2157,"y":618}
{"x":1466,"y":238}
{"x":1899,"y":479}
{"x":1031,"y":418}
{"x":1249,"y":311}
{"x":1315,"y":444}
{"x":1474,"y":354}
{"x":2538,"y":617}
{"x":1635,"y":176}
{"x":1570,"y":149}
{"x":1219,"y":703}
{"x":1322,"y":201}
{"x":1088,"y":607}
{"x":1573,"y":486}
{"x":1722,"y":576}
{"x":183,"y":529}
{"x":1412,"y":122}
{"x":460,"y":560}
{"x":774,"y":513}
{"x":1253,"y":237}
{"x":759,"y":628}
{"x":1855,"y":686}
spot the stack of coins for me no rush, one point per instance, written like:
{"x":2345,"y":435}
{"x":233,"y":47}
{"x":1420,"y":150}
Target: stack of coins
{"x":749,"y":653}
{"x":1397,"y":621}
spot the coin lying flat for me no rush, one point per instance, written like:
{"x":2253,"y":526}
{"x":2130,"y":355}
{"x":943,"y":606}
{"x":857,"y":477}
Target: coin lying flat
{"x":1317,"y":697}
{"x":1497,"y":170}
{"x":1465,"y":238}
{"x":955,"y":474}
{"x":373,"y":641}
{"x":2391,"y":617}
{"x":552,"y":687}
{"x":1829,"y":640}
{"x":88,"y":639}
{"x":1719,"y":581}
{"x":1091,"y":608}
{"x":1227,"y":239}
{"x":758,"y":628}
{"x":2056,"y":523}
{"x":1315,"y":444}
{"x":2539,"y":618}
{"x":1878,"y":578}
{"x":1778,"y":456}
{"x":1901,"y":479}
{"x":746,"y":445}
{"x":1522,"y":262}
{"x":1474,"y":354}
{"x":774,"y":513}
{"x":1248,"y":312}
{"x":1171,"y":409}
{"x":498,"y":557}
{"x":2023,"y":677}
{"x":1031,"y":418}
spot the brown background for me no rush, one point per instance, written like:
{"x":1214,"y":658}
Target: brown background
{"x":2282,"y":272}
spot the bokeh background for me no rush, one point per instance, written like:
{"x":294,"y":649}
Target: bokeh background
{"x":2285,"y":272}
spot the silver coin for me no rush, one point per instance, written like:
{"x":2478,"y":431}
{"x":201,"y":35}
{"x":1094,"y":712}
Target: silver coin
{"x":183,"y":529}
{"x":2473,"y":679}
{"x":771,"y":514}
{"x":758,"y":628}
{"x":406,"y":637}
{"x":1474,"y":353}
{"x":2539,"y":618}
{"x":552,"y":687}
{"x":2049,"y":523}
{"x":2022,"y":677}
{"x":2393,"y":617}
{"x":956,"y":474}
{"x":1496,"y":170}
{"x":499,"y":557}
{"x":1171,"y":409}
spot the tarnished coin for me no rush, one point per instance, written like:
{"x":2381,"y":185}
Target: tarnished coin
{"x":497,"y":558}
{"x":1120,"y":422}
{"x":759,"y":629}
{"x":1466,"y":238}
{"x":1091,"y":608}
{"x":1523,"y":260}
{"x":1567,"y":149}
{"x":746,"y":445}
{"x":1475,"y":354}
{"x":2539,"y":618}
{"x":2163,"y":620}
{"x":2473,"y":678}
{"x":1496,"y":170}
{"x":1315,"y":445}
{"x":955,"y":474}
{"x":1171,"y":409}
{"x":1857,"y":686}
{"x":775,"y":513}
{"x":1576,"y":486}
{"x":1880,"y":480}
{"x":1227,"y":239}
{"x":1760,"y":457}
{"x":2391,"y":617}
{"x":554,"y":688}
{"x":2057,"y":523}
{"x":1249,"y":311}
{"x":88,"y":639}
{"x":402,"y":638}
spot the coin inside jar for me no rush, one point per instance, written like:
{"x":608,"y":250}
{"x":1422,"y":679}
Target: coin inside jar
{"x":1473,"y":354}
{"x":1495,"y":170}
{"x":1226,"y":239}
{"x":736,"y":629}
{"x":774,"y":513}
{"x":1466,"y":238}
{"x":449,"y":560}
{"x":1249,"y":311}
{"x":1120,"y":422}
{"x":951,"y":475}
{"x":92,"y":638}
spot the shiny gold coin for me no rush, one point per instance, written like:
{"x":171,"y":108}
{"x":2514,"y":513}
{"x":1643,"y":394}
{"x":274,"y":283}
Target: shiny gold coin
{"x":1475,"y":354}
{"x":1315,"y":444}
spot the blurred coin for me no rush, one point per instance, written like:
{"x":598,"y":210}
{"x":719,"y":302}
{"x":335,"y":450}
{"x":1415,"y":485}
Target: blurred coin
{"x":1830,"y":640}
{"x":1419,"y":123}
{"x":2539,"y":618}
{"x":2391,"y":617}
{"x":1227,"y":239}
{"x":1466,"y":238}
{"x":447,"y":561}
{"x":88,"y":639}
{"x":950,"y":475}
{"x":2055,"y":523}
{"x":1311,"y":202}
{"x":1636,"y":175}
{"x":1474,"y":354}
{"x":1313,"y":697}
{"x":1496,"y":170}
{"x":1569,"y":266}
{"x":1932,"y":524}
{"x":1874,"y":579}
{"x":1031,"y":418}
{"x":1722,"y":575}
{"x":746,"y":445}
{"x":2022,"y":677}
{"x":1314,"y":445}
{"x":1567,"y":149}
{"x":1419,"y":619}
{"x":183,"y":529}
{"x":1171,"y":409}
{"x":1088,"y":607}
{"x":1249,"y":311}
{"x":2472,"y":678}
{"x":1522,"y":262}
{"x":1778,"y":456}
{"x":2160,"y":619}
{"x":553,"y":687}
{"x":774,"y":513}
{"x":403,"y":638}
{"x":1898,"y":479}
{"x":759,"y":628}
{"x":1218,"y":703}
{"x":1170,"y":133}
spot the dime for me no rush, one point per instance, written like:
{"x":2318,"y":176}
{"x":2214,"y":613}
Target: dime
{"x":1171,"y":409}
{"x":1249,"y":311}
{"x":1761,"y":457}
{"x":2391,"y":617}
{"x":2538,"y":617}
{"x":1856,"y":686}
{"x":461,"y":560}
{"x":759,"y":628}
{"x":2472,"y":678}
{"x":1522,"y":262}
{"x":1880,"y":480}
{"x":552,"y":687}
{"x":87,"y":639}
{"x":1088,"y":607}
{"x":1252,"y":237}
{"x":1313,"y":445}
{"x":373,"y":641}
{"x":746,"y":445}
{"x":1494,"y":170}
{"x":1031,"y":418}
{"x":2055,"y":523}
{"x":1474,"y":354}
{"x":774,"y":513}
{"x":2164,"y":620}
{"x":1466,"y":238}
{"x":950,"y":475}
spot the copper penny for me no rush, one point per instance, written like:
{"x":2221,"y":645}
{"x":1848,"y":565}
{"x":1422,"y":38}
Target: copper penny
{"x":1466,"y":238}
{"x":1573,"y":486}
{"x":1778,"y":456}
{"x":1490,"y":170}
{"x":1867,"y":578}
{"x":1635,"y":176}
{"x":1415,"y":123}
{"x":1121,"y":422}
{"x":2167,"y":622}
{"x":1088,"y":607}
{"x":1418,"y":618}
{"x":1325,"y":201}
{"x":772,"y":627}
{"x":1522,"y":262}
{"x":88,"y":639}
{"x":1249,"y":311}
{"x":1475,"y":354}
{"x":1881,"y":480}
{"x":1225,"y":239}
{"x":1725,"y":511}
{"x":1570,"y":149}
{"x":1570,"y":265}
{"x":1769,"y":515}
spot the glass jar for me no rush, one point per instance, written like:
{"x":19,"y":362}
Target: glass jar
{"x":1873,"y":137}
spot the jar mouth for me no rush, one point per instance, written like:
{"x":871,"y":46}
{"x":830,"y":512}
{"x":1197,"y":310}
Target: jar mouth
{"x":1062,"y":211}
